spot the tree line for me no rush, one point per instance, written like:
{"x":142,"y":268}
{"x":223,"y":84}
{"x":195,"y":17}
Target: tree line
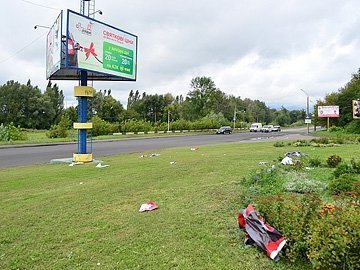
{"x":26,"y":106}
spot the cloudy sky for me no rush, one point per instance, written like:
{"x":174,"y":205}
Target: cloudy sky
{"x":258,"y":49}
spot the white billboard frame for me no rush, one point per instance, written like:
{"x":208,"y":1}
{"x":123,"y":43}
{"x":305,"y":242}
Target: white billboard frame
{"x":328,"y":111}
{"x":53,"y":47}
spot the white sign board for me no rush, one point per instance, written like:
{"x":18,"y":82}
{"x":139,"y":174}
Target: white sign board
{"x":53,"y":47}
{"x":328,"y":111}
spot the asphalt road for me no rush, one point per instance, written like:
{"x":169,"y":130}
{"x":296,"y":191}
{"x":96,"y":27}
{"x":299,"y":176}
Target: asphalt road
{"x":14,"y":156}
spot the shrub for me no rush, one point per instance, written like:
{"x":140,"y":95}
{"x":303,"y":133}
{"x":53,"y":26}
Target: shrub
{"x":334,"y":238}
{"x":60,"y":130}
{"x":300,"y":183}
{"x":290,"y":214}
{"x":134,"y":125}
{"x":279,"y":144}
{"x":333,"y":161}
{"x":314,"y":162}
{"x":344,"y":183}
{"x":11,"y":133}
{"x":335,"y":129}
{"x":355,"y":165}
{"x":301,"y":143}
{"x":322,"y":140}
{"x":343,"y":168}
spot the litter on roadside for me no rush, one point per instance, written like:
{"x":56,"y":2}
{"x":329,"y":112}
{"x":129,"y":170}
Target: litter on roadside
{"x":75,"y":163}
{"x":154,"y":155}
{"x":295,"y":154}
{"x":287,"y":161}
{"x":260,"y":233}
{"x":99,"y":165}
{"x":142,"y":156}
{"x":263,"y":163}
{"x":172,"y":162}
{"x":149,"y":206}
{"x":194,"y":148}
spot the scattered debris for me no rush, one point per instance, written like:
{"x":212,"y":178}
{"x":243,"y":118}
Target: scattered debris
{"x":81,"y":183}
{"x":172,"y":162}
{"x":194,"y":148}
{"x":295,"y":154}
{"x":260,"y":233}
{"x":263,"y":163}
{"x":287,"y":161}
{"x":102,"y":166}
{"x":308,"y":168}
{"x":142,"y":156}
{"x":149,"y":206}
{"x":75,"y":163}
{"x":154,"y":155}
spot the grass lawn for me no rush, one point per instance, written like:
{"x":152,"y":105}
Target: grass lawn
{"x":82,"y":217}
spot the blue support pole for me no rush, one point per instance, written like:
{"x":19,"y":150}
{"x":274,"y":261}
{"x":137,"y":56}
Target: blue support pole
{"x":82,"y":115}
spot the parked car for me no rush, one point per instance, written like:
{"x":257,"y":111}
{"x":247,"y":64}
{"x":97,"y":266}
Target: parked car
{"x":276,"y":128}
{"x":255,"y":127}
{"x":224,"y":130}
{"x":267,"y":128}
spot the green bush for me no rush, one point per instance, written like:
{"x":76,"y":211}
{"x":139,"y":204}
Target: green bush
{"x":279,"y":144}
{"x":301,"y":143}
{"x":343,"y":168}
{"x":291,"y":215}
{"x":60,"y":130}
{"x":314,"y":162}
{"x":300,"y":183}
{"x":134,"y":125}
{"x":355,"y":164}
{"x":11,"y":133}
{"x":333,"y":161}
{"x":334,"y":238}
{"x":335,"y":129}
{"x":344,"y":183}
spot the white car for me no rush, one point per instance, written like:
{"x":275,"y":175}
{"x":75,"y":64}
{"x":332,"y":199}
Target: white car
{"x":267,"y":128}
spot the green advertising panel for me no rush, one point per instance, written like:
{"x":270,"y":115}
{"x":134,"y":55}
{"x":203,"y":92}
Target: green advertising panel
{"x":118,"y":58}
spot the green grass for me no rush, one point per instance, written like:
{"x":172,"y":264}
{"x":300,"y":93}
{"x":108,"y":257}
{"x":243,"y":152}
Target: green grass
{"x":48,"y":220}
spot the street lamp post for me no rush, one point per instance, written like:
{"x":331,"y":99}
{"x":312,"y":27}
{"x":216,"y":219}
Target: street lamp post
{"x":307,"y":110}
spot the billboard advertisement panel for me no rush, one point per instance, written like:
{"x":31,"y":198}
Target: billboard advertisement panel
{"x":328,"y":111}
{"x":356,"y":109}
{"x":95,"y":46}
{"x":53,"y":47}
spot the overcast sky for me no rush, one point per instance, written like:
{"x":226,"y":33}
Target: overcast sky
{"x":266,"y":50}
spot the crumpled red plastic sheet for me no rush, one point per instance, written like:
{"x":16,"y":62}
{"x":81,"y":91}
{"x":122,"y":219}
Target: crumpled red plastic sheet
{"x":260,"y":233}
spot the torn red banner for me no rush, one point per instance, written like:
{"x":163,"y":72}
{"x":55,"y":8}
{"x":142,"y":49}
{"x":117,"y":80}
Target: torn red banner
{"x":260,"y":233}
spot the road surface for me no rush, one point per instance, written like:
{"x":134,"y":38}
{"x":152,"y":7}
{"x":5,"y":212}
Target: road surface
{"x":17,"y":155}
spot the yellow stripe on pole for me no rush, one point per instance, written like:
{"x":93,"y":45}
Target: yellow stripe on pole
{"x":83,"y":125}
{"x":83,"y":91}
{"x":82,"y":157}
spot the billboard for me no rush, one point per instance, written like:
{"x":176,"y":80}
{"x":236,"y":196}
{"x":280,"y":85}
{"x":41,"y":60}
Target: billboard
{"x":100,"y":48}
{"x":53,"y":47}
{"x":356,"y":109}
{"x":328,"y":111}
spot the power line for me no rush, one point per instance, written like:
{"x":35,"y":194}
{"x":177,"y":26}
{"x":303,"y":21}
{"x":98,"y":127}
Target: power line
{"x":22,"y":49}
{"x":32,"y":3}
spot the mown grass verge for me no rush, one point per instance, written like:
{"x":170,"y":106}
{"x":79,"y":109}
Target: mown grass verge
{"x":82,"y":217}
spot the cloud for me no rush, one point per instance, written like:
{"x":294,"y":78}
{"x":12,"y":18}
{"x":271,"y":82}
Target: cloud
{"x":254,"y":49}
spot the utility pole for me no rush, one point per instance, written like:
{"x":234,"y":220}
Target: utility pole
{"x":307,"y":118}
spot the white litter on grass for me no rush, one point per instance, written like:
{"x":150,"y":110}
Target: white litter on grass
{"x":263,"y":163}
{"x":194,"y":148}
{"x":149,"y":206}
{"x":75,"y":163}
{"x":154,"y":155}
{"x":142,"y":156}
{"x":308,"y":168}
{"x":81,"y":183}
{"x":99,"y":165}
{"x":287,"y":161}
{"x":172,"y":162}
